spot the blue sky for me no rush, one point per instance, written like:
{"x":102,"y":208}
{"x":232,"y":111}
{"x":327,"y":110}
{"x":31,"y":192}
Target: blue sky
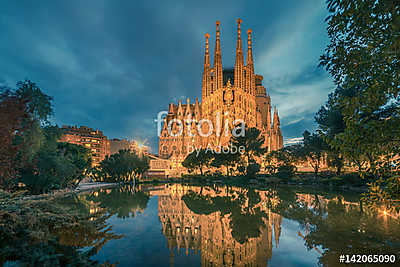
{"x":114,"y":65}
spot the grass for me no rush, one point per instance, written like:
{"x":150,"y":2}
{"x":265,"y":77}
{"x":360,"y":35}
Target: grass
{"x":29,"y":227}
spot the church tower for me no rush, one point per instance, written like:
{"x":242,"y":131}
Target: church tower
{"x":227,"y":95}
{"x":206,"y":86}
{"x":239,"y":62}
{"x":217,"y":67}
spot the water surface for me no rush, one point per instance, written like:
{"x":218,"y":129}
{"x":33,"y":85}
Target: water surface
{"x":181,"y":225}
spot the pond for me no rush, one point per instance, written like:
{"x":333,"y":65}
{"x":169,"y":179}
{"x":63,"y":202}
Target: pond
{"x":183,"y":225}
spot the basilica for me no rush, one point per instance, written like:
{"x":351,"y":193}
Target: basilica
{"x":228,"y":97}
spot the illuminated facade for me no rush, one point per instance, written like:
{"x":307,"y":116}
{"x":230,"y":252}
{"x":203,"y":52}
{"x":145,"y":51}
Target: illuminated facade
{"x":92,"y":139}
{"x":227,"y":95}
{"x":124,"y":144}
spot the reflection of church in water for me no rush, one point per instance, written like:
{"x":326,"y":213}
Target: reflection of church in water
{"x":212,"y":234}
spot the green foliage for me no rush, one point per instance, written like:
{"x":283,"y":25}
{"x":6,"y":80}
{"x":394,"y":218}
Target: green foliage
{"x":283,"y":161}
{"x":313,"y":150}
{"x":55,"y":165}
{"x":43,"y":164}
{"x":384,"y":193}
{"x":253,"y":144}
{"x":198,"y":160}
{"x":361,"y":119}
{"x":123,"y":166}
{"x":286,"y":171}
{"x":252,"y":169}
{"x":38,"y":104}
{"x":227,"y":159}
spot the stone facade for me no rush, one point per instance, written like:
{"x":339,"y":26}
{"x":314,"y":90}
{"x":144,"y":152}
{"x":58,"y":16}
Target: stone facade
{"x":227,"y":95}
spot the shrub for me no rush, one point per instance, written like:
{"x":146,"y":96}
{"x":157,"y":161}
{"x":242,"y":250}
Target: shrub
{"x":286,"y":171}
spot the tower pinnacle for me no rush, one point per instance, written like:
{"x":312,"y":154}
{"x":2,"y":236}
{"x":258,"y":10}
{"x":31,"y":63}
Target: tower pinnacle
{"x":239,"y":64}
{"x":217,"y":68}
{"x":206,"y":86}
{"x":250,"y":77}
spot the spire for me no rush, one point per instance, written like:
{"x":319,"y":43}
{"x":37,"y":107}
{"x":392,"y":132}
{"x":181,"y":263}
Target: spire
{"x":239,"y":64}
{"x":197,"y":110}
{"x":180,"y":111}
{"x":276,"y":118}
{"x":217,"y":67}
{"x":188,"y":110}
{"x":250,"y":77}
{"x":268,"y":114}
{"x":206,"y":87}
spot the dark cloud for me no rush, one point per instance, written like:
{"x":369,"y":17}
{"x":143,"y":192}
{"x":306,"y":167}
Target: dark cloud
{"x":114,"y":65}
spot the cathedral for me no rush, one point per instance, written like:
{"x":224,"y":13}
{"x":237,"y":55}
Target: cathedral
{"x":228,"y":97}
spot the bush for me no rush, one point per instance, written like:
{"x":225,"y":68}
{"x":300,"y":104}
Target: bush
{"x":253,"y":169}
{"x":286,"y":171}
{"x":57,"y":166}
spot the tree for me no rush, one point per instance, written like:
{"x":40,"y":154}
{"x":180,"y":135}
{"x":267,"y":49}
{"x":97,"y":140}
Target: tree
{"x":123,"y":166}
{"x":227,"y":159}
{"x":331,"y":123}
{"x":253,"y":144}
{"x":12,"y":117}
{"x":285,"y":160}
{"x":313,"y":150}
{"x":198,"y":160}
{"x":55,"y":165}
{"x":38,"y":104}
{"x":363,"y":58}
{"x":23,"y":112}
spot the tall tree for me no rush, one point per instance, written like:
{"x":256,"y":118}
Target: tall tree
{"x":363,"y":57}
{"x":253,"y":146}
{"x":313,"y":150}
{"x":38,"y":103}
{"x":12,"y":118}
{"x":227,"y":159}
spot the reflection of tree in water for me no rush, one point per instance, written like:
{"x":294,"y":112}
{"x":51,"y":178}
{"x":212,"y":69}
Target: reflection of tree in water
{"x":339,"y":226}
{"x":125,"y":201}
{"x":229,"y":225}
{"x":99,"y":206}
{"x":234,"y":226}
{"x":245,"y":220}
{"x":92,"y":233}
{"x":51,"y":231}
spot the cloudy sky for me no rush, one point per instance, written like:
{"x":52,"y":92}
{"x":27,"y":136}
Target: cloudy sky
{"x":114,"y":65}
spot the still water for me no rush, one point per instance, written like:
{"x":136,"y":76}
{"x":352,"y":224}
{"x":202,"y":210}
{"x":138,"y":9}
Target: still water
{"x":181,"y":225}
